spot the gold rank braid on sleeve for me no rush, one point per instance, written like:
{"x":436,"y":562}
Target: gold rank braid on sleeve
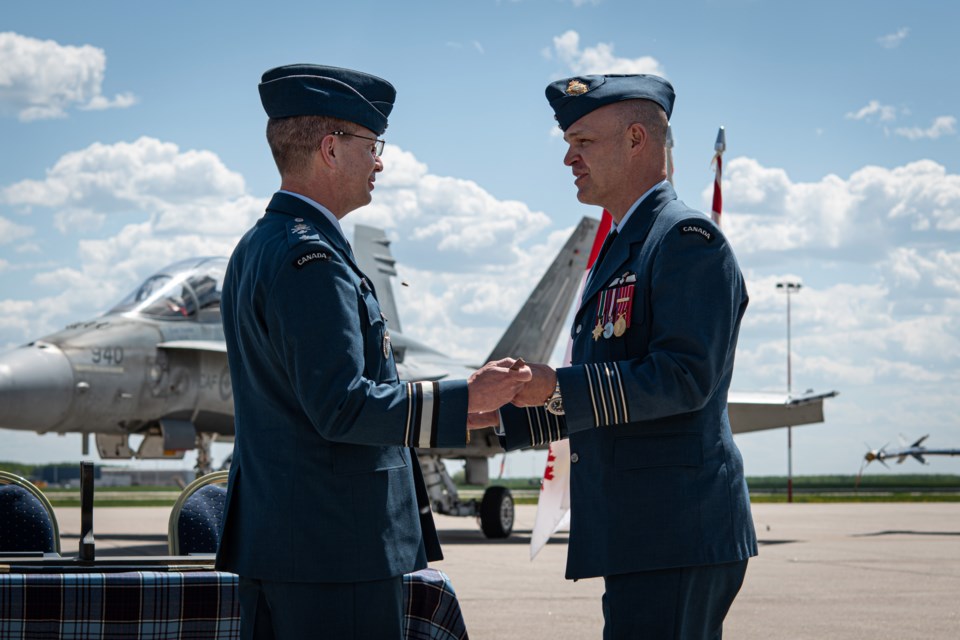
{"x":607,"y":397}
{"x":544,"y":426}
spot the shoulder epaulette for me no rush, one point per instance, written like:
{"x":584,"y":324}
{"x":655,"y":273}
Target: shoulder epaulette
{"x":300,"y":230}
{"x":305,"y":244}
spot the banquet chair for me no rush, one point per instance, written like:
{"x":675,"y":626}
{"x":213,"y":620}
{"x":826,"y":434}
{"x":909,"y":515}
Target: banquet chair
{"x":196,"y":516}
{"x":27,"y":520}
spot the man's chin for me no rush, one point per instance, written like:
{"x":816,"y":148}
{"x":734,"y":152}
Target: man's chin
{"x":584,"y":197}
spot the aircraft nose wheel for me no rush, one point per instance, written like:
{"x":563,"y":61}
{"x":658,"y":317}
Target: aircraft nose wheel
{"x":496,"y":512}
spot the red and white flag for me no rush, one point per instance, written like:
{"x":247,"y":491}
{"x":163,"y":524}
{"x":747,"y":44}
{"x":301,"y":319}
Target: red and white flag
{"x":719,"y":147}
{"x":553,"y":507}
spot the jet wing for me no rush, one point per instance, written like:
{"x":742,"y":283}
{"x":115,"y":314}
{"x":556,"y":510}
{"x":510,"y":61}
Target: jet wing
{"x":759,"y":411}
{"x":217,"y":346}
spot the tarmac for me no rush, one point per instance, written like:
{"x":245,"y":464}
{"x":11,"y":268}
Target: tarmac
{"x":837,"y":571}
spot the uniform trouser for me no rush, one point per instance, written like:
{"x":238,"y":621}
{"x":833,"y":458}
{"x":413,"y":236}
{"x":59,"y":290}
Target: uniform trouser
{"x":688,"y":603}
{"x":342,"y":611}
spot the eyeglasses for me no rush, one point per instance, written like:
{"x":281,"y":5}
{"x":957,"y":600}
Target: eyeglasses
{"x":376,"y":148}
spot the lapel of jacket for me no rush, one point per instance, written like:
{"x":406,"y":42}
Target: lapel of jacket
{"x":635,"y":232}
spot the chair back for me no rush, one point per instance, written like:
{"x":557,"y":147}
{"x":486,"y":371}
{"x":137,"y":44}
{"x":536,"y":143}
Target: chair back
{"x":27,"y":520}
{"x":196,"y":517}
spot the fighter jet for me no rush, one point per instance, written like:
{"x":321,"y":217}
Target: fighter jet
{"x":155,"y":366}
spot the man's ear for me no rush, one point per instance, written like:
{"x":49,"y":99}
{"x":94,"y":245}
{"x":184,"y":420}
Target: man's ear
{"x":328,"y":150}
{"x":638,"y":137}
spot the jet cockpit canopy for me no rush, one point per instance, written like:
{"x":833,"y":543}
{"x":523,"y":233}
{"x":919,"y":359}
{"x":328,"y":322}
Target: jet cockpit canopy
{"x":185,"y":290}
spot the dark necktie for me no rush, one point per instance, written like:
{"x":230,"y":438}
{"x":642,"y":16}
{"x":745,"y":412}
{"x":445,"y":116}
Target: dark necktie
{"x":603,"y":251}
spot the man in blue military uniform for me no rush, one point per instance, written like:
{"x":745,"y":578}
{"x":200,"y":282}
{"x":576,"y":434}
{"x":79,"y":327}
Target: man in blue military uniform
{"x":326,"y":508}
{"x":659,"y":505}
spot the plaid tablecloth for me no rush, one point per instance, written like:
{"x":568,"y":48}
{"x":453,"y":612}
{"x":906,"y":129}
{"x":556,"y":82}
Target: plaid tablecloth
{"x":433,"y":612}
{"x":195,"y":605}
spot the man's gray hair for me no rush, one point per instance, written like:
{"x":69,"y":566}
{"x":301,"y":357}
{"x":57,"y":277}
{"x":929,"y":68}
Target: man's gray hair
{"x":294,"y":140}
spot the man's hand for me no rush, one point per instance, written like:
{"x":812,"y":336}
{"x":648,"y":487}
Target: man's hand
{"x":482,"y":420}
{"x":495,"y":384}
{"x":540,"y":387}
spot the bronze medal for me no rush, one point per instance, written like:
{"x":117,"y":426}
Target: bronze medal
{"x":620,"y":326}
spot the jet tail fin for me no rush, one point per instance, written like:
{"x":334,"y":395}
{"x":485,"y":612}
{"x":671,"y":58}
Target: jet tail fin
{"x":371,"y":247}
{"x":534,"y":331}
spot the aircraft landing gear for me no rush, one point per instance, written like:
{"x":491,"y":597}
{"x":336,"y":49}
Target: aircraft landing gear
{"x":204,"y":459}
{"x":496,"y":512}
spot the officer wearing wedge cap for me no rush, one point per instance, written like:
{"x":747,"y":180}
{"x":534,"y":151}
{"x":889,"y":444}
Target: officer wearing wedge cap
{"x":326,"y":507}
{"x":659,"y":504}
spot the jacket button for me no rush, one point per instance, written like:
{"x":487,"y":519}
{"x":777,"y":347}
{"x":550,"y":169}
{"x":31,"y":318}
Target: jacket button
{"x":574,"y":458}
{"x":578,"y":328}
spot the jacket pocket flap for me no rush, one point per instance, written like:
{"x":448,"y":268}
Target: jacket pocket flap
{"x":351,"y":459}
{"x":661,"y":450}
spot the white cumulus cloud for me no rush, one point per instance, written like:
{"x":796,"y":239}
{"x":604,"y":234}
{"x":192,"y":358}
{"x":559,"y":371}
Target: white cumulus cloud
{"x":874,"y":110}
{"x":146,"y":175}
{"x":865,"y":215}
{"x":941,"y":126}
{"x":41,"y":79}
{"x":599,"y":59}
{"x":11,"y":231}
{"x":447,"y":215}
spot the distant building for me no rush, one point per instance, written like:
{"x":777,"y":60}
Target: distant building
{"x":68,"y":475}
{"x":126,"y":477}
{"x":62,"y":474}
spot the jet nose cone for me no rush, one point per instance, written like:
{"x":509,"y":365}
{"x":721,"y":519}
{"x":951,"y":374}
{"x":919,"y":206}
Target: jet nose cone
{"x":36,"y":387}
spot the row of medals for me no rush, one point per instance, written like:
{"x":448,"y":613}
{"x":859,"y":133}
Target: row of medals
{"x":610,"y":329}
{"x":622,"y":295}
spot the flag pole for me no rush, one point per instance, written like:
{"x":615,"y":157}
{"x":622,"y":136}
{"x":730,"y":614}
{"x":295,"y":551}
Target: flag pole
{"x":719,"y":147}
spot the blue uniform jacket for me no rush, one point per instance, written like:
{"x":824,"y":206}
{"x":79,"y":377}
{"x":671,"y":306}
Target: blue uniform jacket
{"x":656,"y":480}
{"x":322,"y":485}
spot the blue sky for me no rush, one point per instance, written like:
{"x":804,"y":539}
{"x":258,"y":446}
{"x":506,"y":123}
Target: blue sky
{"x":132,"y":136}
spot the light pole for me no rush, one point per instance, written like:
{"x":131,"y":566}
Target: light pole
{"x":789,"y":288}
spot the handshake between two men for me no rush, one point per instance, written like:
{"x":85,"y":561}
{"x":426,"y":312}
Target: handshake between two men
{"x":505,"y":381}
